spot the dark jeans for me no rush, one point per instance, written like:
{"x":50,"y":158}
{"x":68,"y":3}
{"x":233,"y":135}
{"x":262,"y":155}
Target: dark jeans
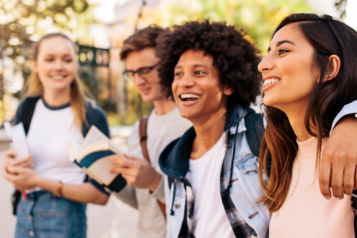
{"x":44,"y":215}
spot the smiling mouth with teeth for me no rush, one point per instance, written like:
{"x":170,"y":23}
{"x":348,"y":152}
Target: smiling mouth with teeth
{"x":269,"y":81}
{"x":58,"y":77}
{"x":189,"y":97}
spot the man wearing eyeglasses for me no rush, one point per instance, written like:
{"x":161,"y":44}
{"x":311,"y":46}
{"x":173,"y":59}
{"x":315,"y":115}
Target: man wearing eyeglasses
{"x":145,"y":189}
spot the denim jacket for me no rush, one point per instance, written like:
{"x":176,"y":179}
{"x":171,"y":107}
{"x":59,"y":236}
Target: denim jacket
{"x":245,"y":187}
{"x":174,"y":162}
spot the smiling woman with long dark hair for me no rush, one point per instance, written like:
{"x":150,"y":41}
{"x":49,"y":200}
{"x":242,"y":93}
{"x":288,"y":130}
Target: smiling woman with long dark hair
{"x":309,"y":74}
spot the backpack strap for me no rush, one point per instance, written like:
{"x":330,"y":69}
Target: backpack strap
{"x":143,"y":136}
{"x":255,"y":133}
{"x":170,"y":180}
{"x":143,"y":124}
{"x":25,"y":117}
{"x":27,"y":112}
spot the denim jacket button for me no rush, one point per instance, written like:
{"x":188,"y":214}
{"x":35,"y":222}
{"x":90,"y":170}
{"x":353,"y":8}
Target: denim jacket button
{"x":177,"y":205}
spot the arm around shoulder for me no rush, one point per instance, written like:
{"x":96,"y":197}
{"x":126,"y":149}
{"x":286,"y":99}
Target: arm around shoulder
{"x":339,"y":156}
{"x":348,"y":110}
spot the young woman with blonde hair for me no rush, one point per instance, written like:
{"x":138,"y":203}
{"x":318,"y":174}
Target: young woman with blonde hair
{"x":55,"y":96}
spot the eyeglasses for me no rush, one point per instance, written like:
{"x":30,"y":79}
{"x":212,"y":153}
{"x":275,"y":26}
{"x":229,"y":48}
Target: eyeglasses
{"x":142,"y":72}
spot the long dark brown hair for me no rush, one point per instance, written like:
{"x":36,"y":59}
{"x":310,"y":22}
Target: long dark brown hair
{"x":328,"y":37}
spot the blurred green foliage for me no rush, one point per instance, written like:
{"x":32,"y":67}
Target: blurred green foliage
{"x":91,"y":82}
{"x":341,"y":7}
{"x":135,"y":106}
{"x":257,"y":17}
{"x":22,"y":20}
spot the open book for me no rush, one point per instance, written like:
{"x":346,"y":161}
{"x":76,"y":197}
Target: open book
{"x":91,"y":156}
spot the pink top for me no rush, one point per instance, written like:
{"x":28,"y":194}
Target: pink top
{"x":305,"y":212}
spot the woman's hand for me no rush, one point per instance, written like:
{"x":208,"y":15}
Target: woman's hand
{"x":11,"y":161}
{"x":339,"y":160}
{"x":21,"y":178}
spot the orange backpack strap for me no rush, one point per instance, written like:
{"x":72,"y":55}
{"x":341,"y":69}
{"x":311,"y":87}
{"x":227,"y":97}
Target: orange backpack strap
{"x":143,"y":138}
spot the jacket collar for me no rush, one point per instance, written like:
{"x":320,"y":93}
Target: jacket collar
{"x":174,"y":159}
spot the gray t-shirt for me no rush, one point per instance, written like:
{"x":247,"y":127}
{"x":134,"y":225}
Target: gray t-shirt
{"x":161,"y":130}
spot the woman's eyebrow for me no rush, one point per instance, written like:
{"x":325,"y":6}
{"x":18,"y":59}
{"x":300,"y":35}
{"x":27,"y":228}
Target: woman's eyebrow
{"x":279,"y":43}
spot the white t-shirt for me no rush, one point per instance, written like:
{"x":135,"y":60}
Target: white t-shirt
{"x":161,"y":130}
{"x":49,"y":131}
{"x":209,"y":217}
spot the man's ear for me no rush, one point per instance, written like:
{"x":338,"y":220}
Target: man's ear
{"x":333,"y":68}
{"x":227,"y":91}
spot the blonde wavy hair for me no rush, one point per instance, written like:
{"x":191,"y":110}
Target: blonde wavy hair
{"x":34,"y":87}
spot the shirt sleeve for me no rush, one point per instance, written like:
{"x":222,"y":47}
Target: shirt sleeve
{"x":128,"y":196}
{"x":348,"y":109}
{"x":159,"y":193}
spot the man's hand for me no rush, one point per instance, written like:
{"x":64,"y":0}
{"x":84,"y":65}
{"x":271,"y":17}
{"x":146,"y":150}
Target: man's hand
{"x":339,"y":160}
{"x":21,"y":178}
{"x":137,"y":172}
{"x":10,"y":160}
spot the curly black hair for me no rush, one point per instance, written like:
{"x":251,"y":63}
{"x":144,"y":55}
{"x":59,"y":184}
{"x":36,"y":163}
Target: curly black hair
{"x":234,"y":56}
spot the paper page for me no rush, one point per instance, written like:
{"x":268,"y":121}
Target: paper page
{"x":101,"y":169}
{"x":94,"y":135}
{"x":92,"y":175}
{"x":18,"y":142}
{"x":73,"y":149}
{"x":17,"y":138}
{"x":7,"y":127}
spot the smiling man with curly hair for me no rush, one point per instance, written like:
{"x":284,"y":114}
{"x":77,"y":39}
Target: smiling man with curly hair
{"x":232,"y":55}
{"x":210,"y":70}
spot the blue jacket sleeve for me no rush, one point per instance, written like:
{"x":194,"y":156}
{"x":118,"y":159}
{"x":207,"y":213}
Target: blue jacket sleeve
{"x":348,"y":109}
